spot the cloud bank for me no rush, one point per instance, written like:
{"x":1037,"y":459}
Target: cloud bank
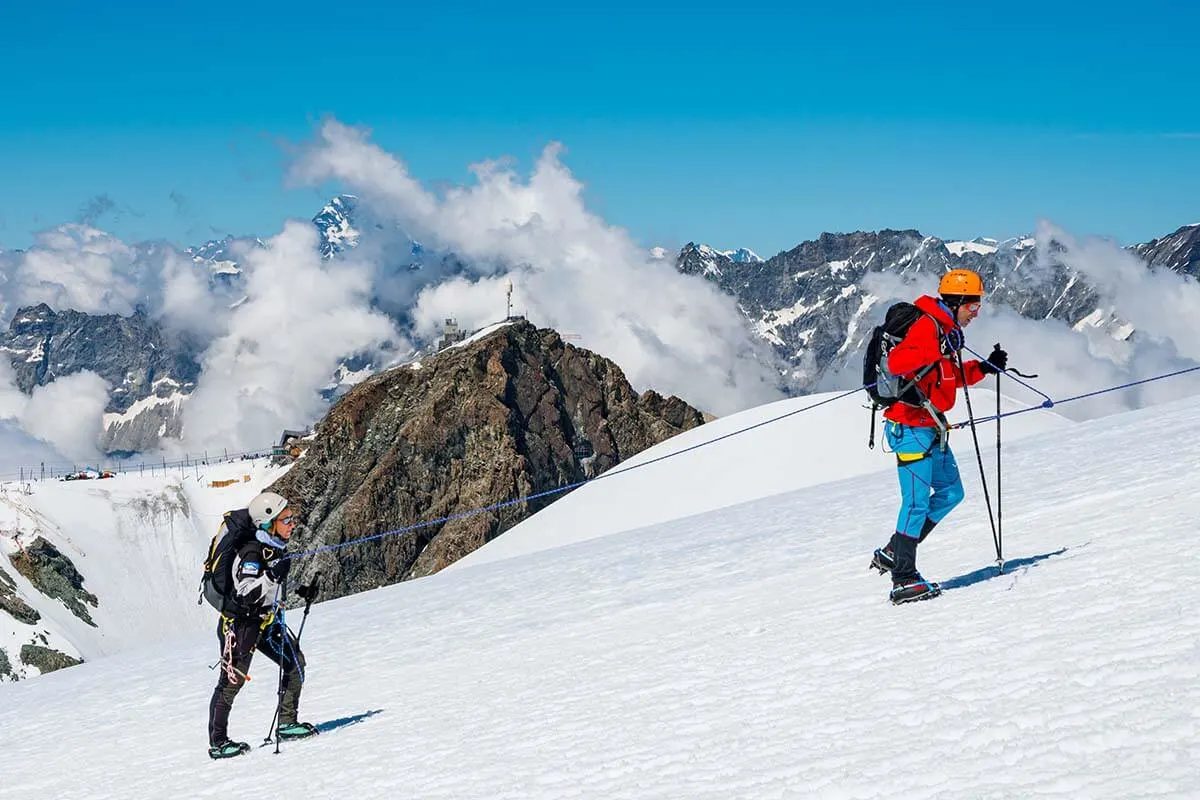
{"x":59,"y":420}
{"x":76,"y":266}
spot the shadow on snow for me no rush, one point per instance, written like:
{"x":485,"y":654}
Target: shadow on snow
{"x":342,"y":722}
{"x":987,"y":573}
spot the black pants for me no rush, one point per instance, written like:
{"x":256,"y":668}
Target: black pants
{"x":239,"y":638}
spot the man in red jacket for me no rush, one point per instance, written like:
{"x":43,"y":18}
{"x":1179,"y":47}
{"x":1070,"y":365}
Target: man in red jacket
{"x":930,"y":486}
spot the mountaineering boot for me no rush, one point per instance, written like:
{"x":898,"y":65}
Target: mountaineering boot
{"x":912,"y":591}
{"x":884,"y":558}
{"x":907,"y":584}
{"x":227,"y":749}
{"x":295,"y":730}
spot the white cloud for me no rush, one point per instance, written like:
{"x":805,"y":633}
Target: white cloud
{"x":58,"y":421}
{"x":300,"y":316}
{"x":894,"y":287}
{"x":67,"y":414}
{"x":20,"y":453}
{"x":574,"y":272}
{"x":79,"y":267}
{"x":12,"y":399}
{"x":187,"y":301}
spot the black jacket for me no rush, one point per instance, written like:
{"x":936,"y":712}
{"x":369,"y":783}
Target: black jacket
{"x":259,"y":575}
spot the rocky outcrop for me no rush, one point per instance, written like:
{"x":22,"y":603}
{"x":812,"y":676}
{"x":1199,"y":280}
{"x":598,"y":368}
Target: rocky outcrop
{"x":46,"y":659}
{"x":513,"y":414}
{"x":12,"y":603}
{"x":54,"y":575}
{"x":144,"y":426}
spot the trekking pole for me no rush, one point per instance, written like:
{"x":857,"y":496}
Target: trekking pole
{"x":314,"y":584}
{"x":979,"y":457}
{"x":999,"y":479}
{"x":308,"y":601}
{"x":279,"y":620}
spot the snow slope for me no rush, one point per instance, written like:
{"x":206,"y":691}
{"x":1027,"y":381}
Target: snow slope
{"x":744,"y":652}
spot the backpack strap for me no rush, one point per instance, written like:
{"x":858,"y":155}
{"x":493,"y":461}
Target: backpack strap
{"x":923,"y":371}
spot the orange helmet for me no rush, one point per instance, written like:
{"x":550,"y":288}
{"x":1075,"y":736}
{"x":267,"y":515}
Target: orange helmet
{"x":961,"y":283}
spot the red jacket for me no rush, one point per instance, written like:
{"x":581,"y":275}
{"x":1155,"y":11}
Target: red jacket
{"x":923,"y":346}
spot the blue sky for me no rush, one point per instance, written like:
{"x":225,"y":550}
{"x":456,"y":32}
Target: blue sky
{"x":741,"y":125}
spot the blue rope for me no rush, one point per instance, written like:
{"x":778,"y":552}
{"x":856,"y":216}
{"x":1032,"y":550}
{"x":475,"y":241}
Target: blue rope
{"x":1049,"y":403}
{"x":732,"y":433}
{"x":279,"y":623}
{"x":505,"y":504}
{"x":440,"y":520}
{"x":291,"y":656}
{"x":1082,"y":396}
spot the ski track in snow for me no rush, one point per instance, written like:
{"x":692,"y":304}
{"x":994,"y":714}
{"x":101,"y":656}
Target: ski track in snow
{"x":747,"y":652}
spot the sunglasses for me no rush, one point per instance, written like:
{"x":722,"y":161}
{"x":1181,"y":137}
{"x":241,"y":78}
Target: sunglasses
{"x":973,"y":307}
{"x":288,"y":520}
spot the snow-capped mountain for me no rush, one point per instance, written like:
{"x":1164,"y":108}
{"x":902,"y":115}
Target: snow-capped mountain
{"x":1179,"y":252}
{"x":335,"y":223}
{"x":220,"y":258}
{"x":700,"y":259}
{"x":74,"y":591}
{"x":981,"y":245}
{"x":739,"y":651}
{"x":817,"y":302}
{"x":742,"y":255}
{"x":336,"y":228}
{"x":150,"y":372}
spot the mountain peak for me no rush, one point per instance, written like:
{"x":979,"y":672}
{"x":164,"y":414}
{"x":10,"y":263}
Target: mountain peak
{"x":335,"y":223}
{"x":742,"y":255}
{"x":701,"y":259}
{"x":526,"y":410}
{"x":1179,"y":251}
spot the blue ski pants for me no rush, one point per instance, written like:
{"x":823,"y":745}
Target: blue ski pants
{"x":930,"y":486}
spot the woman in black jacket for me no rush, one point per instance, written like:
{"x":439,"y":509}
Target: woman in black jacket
{"x":259,"y":572}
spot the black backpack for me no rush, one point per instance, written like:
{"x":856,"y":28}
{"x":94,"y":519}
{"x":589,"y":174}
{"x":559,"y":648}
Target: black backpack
{"x":216,"y":584}
{"x":885,"y":388}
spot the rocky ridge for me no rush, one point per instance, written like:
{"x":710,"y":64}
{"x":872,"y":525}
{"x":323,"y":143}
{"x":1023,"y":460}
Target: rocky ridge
{"x":510,"y":414}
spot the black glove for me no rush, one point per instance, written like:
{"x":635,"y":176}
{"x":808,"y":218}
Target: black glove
{"x":996,"y":362}
{"x":278,"y":569}
{"x":954,"y":339}
{"x":308,"y":591}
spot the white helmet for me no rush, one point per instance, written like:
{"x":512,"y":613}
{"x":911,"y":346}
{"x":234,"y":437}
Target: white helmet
{"x":265,"y":508}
